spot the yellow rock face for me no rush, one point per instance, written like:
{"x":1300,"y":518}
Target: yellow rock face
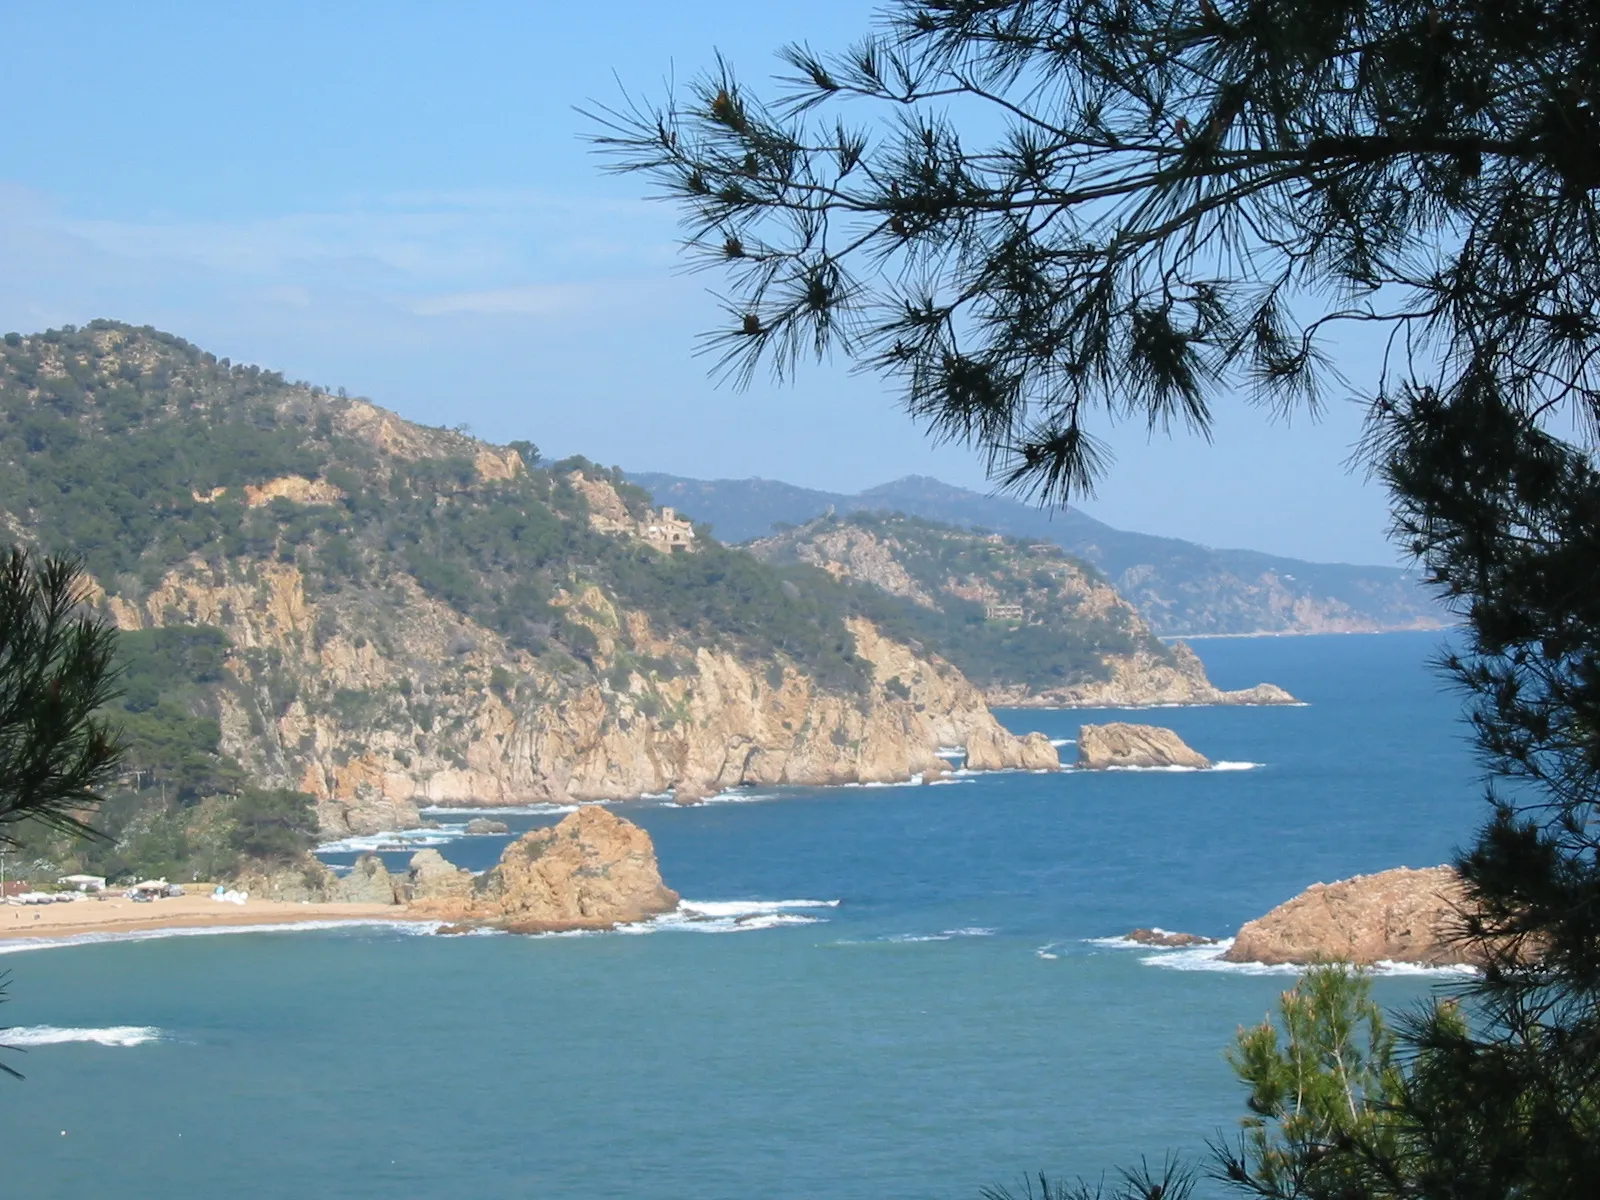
{"x":592,"y":871}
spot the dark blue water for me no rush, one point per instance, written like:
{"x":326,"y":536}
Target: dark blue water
{"x":948,"y":1024}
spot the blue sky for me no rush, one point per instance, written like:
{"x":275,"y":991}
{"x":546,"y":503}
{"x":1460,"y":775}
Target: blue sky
{"x":395,"y":198}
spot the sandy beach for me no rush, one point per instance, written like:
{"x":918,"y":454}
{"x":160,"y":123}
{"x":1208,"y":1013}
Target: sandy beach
{"x":120,"y":915}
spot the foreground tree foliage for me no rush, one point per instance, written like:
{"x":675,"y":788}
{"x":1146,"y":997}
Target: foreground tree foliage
{"x":56,"y":674}
{"x":1138,"y":207}
{"x":56,"y":752}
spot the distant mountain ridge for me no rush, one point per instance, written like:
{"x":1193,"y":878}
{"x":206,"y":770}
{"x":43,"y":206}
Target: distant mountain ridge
{"x":1180,"y":588}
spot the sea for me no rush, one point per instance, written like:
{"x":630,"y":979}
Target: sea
{"x":875,"y":992}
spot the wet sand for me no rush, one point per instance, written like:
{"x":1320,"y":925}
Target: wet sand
{"x":119,"y":915}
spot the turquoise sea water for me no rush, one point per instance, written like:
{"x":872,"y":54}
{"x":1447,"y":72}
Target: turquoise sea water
{"x":951,"y":1022}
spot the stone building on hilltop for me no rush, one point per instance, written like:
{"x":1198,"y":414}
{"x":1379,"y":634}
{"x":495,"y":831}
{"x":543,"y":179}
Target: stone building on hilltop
{"x":668,"y":531}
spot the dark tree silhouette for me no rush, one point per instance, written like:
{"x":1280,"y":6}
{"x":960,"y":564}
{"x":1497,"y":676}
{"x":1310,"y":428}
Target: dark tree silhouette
{"x":1025,"y":210}
{"x":1049,"y":208}
{"x":55,"y":674}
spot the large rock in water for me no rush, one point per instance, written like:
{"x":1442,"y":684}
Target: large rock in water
{"x":592,"y":871}
{"x":1120,"y":744}
{"x":1402,"y":915}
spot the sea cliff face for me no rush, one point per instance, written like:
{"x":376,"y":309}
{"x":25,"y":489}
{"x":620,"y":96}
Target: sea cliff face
{"x":377,"y":711}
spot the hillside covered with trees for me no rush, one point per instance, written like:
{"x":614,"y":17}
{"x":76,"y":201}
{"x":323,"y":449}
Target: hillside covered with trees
{"x":331,"y":615}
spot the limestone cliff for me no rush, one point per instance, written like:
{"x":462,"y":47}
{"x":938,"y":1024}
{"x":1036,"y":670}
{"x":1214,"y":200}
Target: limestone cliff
{"x":1402,"y":915}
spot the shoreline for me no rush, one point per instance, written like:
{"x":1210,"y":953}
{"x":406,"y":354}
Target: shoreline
{"x":86,"y":917}
{"x":1299,"y":633}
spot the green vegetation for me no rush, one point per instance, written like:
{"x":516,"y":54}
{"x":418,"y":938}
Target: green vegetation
{"x":56,"y":673}
{"x":134,"y":448}
{"x":1057,"y":641}
{"x":182,"y":808}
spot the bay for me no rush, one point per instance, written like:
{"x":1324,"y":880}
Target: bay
{"x":951,"y":1022}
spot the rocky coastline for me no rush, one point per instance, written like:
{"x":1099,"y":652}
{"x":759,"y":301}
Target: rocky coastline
{"x":1142,"y":680}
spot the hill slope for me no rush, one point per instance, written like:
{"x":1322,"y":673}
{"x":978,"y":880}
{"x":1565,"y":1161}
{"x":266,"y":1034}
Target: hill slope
{"x":1179,"y":587}
{"x":393,"y":615}
{"x":1025,"y":622}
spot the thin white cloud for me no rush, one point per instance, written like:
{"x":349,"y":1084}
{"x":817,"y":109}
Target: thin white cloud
{"x":538,"y":300}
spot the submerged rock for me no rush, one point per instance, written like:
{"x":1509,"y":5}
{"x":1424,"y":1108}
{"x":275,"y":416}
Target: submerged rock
{"x":485,"y":825}
{"x":593,"y":870}
{"x":1402,"y":915}
{"x":1167,"y":940}
{"x":1120,"y":744}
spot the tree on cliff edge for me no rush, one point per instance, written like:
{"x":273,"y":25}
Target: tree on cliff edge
{"x":1030,"y":214}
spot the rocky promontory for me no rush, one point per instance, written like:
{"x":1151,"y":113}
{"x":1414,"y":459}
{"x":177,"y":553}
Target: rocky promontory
{"x":1121,"y":744}
{"x":1144,"y":680}
{"x":593,"y":870}
{"x":1401,"y":915}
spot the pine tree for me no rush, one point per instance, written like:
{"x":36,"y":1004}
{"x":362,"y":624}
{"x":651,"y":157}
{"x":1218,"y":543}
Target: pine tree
{"x":1058,"y":209}
{"x":56,"y":673}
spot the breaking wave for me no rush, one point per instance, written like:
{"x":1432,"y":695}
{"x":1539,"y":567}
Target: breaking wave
{"x":515,"y":810}
{"x":21,"y":945}
{"x":1209,"y":958}
{"x":398,"y":840}
{"x":52,"y":1035}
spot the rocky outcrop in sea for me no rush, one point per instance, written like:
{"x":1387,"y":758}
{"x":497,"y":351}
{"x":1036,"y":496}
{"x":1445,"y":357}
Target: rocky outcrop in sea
{"x":1121,"y":744}
{"x":593,"y":870}
{"x":1401,"y":915}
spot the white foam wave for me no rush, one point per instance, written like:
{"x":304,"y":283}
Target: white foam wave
{"x":942,"y":936}
{"x":514,"y":810}
{"x":735,"y":796}
{"x":1123,"y":942}
{"x":1209,"y":958}
{"x":52,"y":1035}
{"x":737,"y":908}
{"x":21,"y":945}
{"x":1175,"y":769}
{"x":1059,"y":742}
{"x":398,"y":840}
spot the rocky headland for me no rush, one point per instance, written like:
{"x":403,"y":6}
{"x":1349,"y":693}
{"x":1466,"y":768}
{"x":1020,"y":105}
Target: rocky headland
{"x":1121,"y":744}
{"x":335,"y":602}
{"x":1054,"y":632}
{"x":1144,"y":680}
{"x":1401,"y":915}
